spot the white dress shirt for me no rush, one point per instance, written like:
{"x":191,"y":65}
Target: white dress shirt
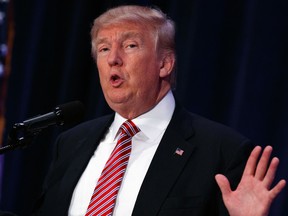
{"x":144,"y":144}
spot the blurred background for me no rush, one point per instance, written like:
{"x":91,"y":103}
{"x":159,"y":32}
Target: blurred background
{"x":232,"y":68}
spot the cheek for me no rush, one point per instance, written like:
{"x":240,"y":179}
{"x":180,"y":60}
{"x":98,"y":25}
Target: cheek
{"x":103,"y":81}
{"x":146,"y":67}
{"x":146,"y":79}
{"x":102,"y":69}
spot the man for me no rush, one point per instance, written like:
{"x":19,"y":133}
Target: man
{"x":176,"y":158}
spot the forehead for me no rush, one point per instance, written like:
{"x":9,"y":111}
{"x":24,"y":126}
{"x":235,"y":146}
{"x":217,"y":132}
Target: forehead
{"x":123,"y":31}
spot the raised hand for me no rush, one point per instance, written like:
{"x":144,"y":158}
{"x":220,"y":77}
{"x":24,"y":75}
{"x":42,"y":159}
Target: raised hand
{"x":253,"y":196}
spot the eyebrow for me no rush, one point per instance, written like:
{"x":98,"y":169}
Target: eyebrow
{"x":124,"y":36}
{"x":127,"y":35}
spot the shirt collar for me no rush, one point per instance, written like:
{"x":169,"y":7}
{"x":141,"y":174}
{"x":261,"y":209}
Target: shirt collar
{"x":151,"y":123}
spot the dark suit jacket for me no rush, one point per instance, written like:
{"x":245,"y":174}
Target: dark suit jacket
{"x":174,"y":185}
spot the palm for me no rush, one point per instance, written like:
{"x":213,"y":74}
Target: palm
{"x":253,"y":196}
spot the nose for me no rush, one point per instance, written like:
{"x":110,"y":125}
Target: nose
{"x":114,"y":57}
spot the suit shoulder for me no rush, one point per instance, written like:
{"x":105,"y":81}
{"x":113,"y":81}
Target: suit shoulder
{"x":213,"y":137}
{"x":89,"y":126}
{"x":213,"y":134}
{"x":205,"y":125}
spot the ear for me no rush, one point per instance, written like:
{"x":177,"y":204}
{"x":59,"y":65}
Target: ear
{"x":167,"y":65}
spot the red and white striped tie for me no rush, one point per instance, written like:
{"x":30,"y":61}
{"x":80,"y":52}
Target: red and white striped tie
{"x":104,"y":197}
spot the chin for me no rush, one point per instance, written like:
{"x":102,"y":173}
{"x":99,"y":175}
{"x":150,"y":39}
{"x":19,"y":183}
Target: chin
{"x":116,"y":102}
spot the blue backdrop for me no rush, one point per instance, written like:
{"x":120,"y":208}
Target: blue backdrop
{"x":232,"y":68}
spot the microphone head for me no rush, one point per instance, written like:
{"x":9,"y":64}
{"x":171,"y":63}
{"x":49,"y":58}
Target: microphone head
{"x":69,"y":113}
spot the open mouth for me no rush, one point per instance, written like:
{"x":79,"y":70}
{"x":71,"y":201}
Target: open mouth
{"x":116,"y":80}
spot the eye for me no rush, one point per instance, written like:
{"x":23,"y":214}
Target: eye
{"x":132,"y":45}
{"x":103,"y":49}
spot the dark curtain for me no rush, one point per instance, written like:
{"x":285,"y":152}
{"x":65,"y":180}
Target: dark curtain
{"x":232,"y":67}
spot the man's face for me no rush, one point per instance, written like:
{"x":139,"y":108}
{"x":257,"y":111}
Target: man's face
{"x":130,"y":69}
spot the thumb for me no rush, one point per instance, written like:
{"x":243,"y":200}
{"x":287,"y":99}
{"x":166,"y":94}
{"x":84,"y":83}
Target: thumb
{"x":223,"y":184}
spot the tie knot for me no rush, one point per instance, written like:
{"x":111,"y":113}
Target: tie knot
{"x":129,"y":128}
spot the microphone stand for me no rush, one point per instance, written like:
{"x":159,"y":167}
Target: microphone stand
{"x":19,"y":137}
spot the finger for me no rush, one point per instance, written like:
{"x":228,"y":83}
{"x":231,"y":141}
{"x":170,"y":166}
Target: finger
{"x":277,"y":189}
{"x":252,"y":161}
{"x":271,"y":172}
{"x":262,"y":165}
{"x":223,"y":184}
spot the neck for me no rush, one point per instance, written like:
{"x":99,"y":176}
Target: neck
{"x":139,"y":110}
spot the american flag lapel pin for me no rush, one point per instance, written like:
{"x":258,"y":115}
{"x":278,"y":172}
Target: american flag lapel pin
{"x":179,"y":151}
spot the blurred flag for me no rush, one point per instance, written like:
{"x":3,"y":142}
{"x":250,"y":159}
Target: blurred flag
{"x":6,"y":39}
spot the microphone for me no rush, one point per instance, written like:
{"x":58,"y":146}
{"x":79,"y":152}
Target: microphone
{"x":68,"y":113}
{"x":22,"y":133}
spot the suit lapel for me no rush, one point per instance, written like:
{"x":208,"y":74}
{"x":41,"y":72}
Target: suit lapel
{"x":166,"y":165}
{"x":79,"y":159}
